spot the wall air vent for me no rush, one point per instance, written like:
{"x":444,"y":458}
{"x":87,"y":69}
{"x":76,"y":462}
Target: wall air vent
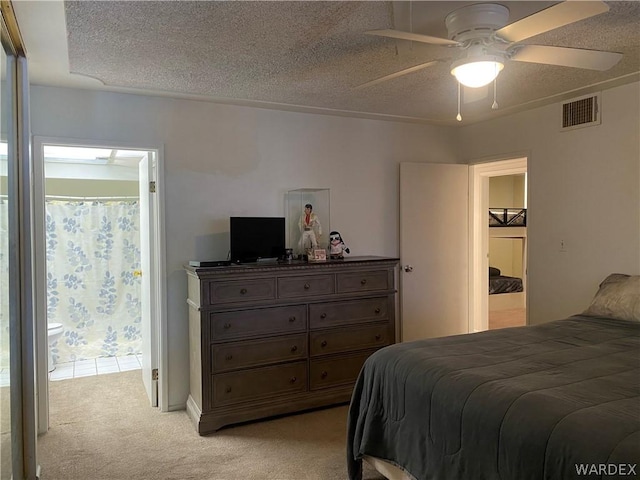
{"x":581,"y":112}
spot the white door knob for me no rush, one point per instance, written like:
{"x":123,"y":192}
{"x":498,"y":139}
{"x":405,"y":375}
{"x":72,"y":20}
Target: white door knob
{"x":407,"y":268}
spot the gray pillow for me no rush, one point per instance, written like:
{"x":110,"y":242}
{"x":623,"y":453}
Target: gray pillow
{"x":618,"y":297}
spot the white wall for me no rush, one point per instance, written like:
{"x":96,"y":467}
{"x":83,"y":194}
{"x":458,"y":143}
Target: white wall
{"x":584,"y":188}
{"x":223,"y":160}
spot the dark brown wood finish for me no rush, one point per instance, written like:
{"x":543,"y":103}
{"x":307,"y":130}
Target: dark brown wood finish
{"x":348,"y":339}
{"x":281,"y":338}
{"x":257,"y":322}
{"x":234,"y":355}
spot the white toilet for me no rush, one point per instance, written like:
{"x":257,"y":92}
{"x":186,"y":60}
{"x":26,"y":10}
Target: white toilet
{"x":54,"y":332}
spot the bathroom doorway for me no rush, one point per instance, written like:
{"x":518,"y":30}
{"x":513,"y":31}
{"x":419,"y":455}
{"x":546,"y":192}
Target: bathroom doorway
{"x":100,"y":308}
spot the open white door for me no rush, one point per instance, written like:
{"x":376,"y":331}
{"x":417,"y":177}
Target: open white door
{"x":434,"y":250}
{"x":147,"y":295}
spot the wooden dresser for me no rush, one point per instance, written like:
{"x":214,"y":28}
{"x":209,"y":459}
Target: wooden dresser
{"x":272,"y":339}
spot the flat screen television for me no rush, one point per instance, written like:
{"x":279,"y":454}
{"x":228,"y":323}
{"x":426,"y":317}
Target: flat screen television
{"x":254,"y":239}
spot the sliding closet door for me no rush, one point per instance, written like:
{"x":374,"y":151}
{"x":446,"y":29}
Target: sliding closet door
{"x":6,"y":363}
{"x":17,"y":375}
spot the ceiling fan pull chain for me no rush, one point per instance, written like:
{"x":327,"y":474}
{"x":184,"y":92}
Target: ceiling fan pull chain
{"x":494,"y":106}
{"x":459,"y":117}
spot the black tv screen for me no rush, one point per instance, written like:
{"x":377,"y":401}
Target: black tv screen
{"x":256,"y":238}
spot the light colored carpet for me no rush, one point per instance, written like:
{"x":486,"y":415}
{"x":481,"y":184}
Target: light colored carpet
{"x":103,"y":429}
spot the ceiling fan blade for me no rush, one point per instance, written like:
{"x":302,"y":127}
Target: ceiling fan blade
{"x":551,"y":18}
{"x":397,"y":74}
{"x":415,"y":37}
{"x":567,"y":57}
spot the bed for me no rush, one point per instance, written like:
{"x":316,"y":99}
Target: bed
{"x":499,"y":283}
{"x":550,"y":401}
{"x":505,"y":292}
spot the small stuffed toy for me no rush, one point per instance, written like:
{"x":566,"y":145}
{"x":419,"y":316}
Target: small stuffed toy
{"x":336,"y":246}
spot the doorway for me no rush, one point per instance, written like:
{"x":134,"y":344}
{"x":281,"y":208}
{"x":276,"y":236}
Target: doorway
{"x":102,"y":291}
{"x":507,"y":251}
{"x":511,"y":178}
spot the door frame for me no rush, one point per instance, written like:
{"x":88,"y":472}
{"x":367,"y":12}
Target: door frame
{"x":157,"y":255}
{"x":479,"y":175}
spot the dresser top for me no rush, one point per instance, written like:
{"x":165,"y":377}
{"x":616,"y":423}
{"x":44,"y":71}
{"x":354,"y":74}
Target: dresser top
{"x":288,"y":265}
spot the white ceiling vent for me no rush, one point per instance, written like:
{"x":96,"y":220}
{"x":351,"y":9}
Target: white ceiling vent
{"x":581,"y":112}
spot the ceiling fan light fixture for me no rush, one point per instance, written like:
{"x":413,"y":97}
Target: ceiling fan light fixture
{"x":477,"y":72}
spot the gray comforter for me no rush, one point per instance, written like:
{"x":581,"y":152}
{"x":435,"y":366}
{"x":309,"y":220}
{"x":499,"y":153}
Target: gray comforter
{"x":504,"y":284}
{"x":541,"y":402}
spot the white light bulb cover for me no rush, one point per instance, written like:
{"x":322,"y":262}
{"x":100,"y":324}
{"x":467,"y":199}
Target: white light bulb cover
{"x":477,"y":72}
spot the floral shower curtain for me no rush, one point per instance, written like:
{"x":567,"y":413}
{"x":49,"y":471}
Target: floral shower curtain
{"x":93,"y":277}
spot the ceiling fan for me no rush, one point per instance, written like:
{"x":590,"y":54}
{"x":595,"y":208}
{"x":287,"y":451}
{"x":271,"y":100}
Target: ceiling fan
{"x":487,"y":42}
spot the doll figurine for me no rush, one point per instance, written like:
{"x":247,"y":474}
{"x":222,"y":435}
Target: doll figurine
{"x":310,"y":229}
{"x":336,"y":246}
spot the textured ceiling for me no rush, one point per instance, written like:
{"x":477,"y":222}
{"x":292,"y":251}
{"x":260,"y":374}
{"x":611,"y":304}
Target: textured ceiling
{"x":312,"y":54}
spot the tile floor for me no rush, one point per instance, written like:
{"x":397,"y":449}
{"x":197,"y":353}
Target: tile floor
{"x":95,"y":366}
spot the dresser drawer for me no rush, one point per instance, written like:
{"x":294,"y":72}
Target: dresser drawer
{"x":257,"y":383}
{"x":348,"y":312}
{"x":363,"y":281}
{"x":236,"y":355}
{"x":306,"y":286}
{"x":258,"y":321}
{"x":349,"y":339}
{"x":325,"y":373}
{"x":242,"y":290}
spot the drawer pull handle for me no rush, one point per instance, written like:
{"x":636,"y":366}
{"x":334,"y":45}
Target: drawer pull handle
{"x":378,"y":336}
{"x":294,"y":348}
{"x":324,"y":374}
{"x":228,"y":389}
{"x":324,"y":315}
{"x":363,"y":281}
{"x":293,"y":380}
{"x":229,"y":357}
{"x":227,"y":325}
{"x":243,"y":291}
{"x":292,"y":319}
{"x":324,"y":343}
{"x":377,"y":310}
{"x":307,"y":286}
